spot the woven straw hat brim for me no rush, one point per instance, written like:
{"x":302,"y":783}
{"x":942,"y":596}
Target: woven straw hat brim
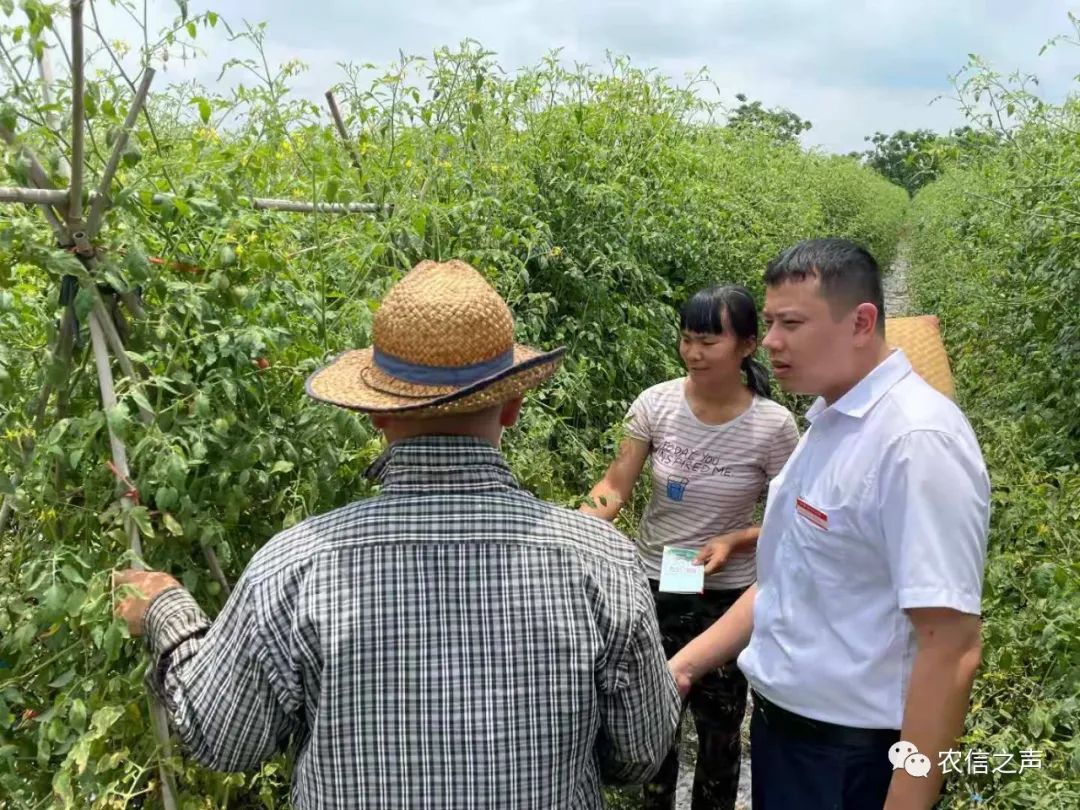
{"x":353,"y":381}
{"x":919,"y":336}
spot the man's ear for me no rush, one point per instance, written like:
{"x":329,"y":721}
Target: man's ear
{"x":511,"y":410}
{"x":866,"y":318}
{"x":380,"y":420}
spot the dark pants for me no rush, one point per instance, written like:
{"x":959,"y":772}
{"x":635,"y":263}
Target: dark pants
{"x":717,"y":703}
{"x":794,"y":772}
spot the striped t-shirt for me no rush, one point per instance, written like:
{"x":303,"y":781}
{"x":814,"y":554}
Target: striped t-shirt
{"x":706,"y":479}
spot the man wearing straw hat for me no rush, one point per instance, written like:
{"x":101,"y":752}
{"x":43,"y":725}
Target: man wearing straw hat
{"x":452,"y":642}
{"x":860,"y":638}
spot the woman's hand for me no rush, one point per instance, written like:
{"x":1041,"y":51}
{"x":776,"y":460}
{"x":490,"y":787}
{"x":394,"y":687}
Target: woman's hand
{"x":715,"y":553}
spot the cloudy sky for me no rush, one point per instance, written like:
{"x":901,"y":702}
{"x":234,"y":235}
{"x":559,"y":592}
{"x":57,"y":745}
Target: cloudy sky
{"x":851,"y":67}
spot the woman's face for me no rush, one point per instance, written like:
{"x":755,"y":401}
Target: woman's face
{"x":711,"y":358}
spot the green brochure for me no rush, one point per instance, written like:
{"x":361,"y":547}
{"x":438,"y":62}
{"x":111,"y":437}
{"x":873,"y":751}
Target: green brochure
{"x":678,"y":574}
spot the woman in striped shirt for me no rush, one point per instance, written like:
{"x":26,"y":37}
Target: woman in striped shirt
{"x":715,"y":439}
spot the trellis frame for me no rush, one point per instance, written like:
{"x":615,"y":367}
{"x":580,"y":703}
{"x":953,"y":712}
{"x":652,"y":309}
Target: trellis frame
{"x":76,"y":230}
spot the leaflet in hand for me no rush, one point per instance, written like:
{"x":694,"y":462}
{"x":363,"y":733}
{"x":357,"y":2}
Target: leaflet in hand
{"x":678,"y":574}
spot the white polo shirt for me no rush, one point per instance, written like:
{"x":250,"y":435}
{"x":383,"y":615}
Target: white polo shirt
{"x":884,"y":505}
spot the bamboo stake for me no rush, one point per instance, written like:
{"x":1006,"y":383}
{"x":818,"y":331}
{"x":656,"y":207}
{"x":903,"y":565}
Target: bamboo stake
{"x":40,"y":179}
{"x":101,"y":200}
{"x":215,"y":570}
{"x":33,"y":196}
{"x":78,"y":114}
{"x":38,"y":175}
{"x":64,"y":346}
{"x":340,"y":123}
{"x":119,"y":455}
{"x":322,"y":208}
{"x":48,"y":196}
{"x":105,"y":321}
{"x":53,"y":120}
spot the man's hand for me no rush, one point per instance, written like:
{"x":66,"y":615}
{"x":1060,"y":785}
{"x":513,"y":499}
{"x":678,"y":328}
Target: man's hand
{"x":715,"y":553}
{"x":144,"y":586}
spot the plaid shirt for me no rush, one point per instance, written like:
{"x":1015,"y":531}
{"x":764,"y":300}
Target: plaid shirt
{"x":453,"y":642}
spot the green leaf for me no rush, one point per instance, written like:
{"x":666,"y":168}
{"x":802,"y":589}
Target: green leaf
{"x":166,"y":498}
{"x":75,"y":602}
{"x":192,"y":30}
{"x":141,"y":516}
{"x":141,"y":400}
{"x":281,"y":466}
{"x":80,"y":754}
{"x":204,"y":109}
{"x":119,"y":419}
{"x":111,"y":643}
{"x":131,"y":155}
{"x":84,"y":302}
{"x":77,"y":714}
{"x":172,"y":525}
{"x":54,"y":598}
{"x":9,"y":117}
{"x":226,"y":256}
{"x":107,"y":715}
{"x":63,"y":680}
{"x":61,"y":785}
{"x":1036,"y":722}
{"x":68,"y":570}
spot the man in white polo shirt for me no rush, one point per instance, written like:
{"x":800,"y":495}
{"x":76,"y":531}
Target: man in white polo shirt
{"x":860,"y":638}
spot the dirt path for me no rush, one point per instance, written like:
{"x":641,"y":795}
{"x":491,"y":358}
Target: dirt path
{"x":897,"y":298}
{"x":897,"y":303}
{"x":688,"y":759}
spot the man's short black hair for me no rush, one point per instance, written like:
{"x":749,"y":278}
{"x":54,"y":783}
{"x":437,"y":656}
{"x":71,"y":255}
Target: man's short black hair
{"x":847,"y":273}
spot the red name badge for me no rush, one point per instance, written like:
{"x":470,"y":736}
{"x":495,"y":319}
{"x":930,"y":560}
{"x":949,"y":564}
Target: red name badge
{"x":813,"y":514}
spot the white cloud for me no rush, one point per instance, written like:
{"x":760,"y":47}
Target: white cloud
{"x":851,"y":67}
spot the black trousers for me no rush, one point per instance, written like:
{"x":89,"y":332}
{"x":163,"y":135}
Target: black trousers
{"x":717,"y":703}
{"x":796,"y":772}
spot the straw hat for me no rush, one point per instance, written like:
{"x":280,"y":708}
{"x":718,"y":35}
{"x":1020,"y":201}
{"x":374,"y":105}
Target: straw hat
{"x":443,"y":343}
{"x":920,"y":338}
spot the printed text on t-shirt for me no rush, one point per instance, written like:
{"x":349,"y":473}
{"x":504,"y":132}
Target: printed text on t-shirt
{"x":689,"y":458}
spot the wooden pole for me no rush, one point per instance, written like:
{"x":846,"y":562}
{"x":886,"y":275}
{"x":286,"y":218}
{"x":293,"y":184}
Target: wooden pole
{"x":101,"y":200}
{"x":322,"y":208}
{"x":53,"y":120}
{"x":40,"y":179}
{"x":33,"y":196}
{"x":216,"y":570}
{"x":112,"y":336}
{"x":48,"y":196}
{"x":339,"y":122}
{"x":120,"y":461}
{"x":78,"y":114}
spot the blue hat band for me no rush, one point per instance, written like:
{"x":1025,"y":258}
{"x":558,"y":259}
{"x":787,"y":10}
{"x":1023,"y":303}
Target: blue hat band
{"x":458,"y":376}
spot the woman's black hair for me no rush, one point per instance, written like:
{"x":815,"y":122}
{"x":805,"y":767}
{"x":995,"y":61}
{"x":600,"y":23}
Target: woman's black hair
{"x":703,"y":313}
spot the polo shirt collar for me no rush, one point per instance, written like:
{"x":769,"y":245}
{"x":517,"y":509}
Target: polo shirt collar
{"x":868,"y":391}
